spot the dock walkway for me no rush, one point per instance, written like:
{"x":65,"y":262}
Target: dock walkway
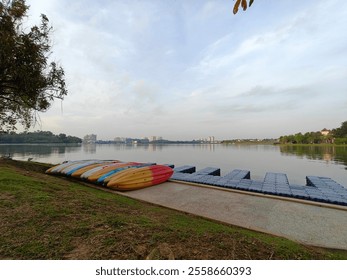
{"x":307,"y":222}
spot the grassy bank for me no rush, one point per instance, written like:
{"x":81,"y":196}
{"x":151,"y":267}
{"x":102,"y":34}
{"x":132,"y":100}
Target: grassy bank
{"x":46,"y":217}
{"x":313,"y":145}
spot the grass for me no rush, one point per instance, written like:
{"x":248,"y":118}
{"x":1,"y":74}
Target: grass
{"x":46,"y":217}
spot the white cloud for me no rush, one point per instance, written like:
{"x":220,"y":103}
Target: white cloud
{"x":183,"y":68}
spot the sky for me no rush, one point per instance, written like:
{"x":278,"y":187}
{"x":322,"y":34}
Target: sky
{"x":186,"y":70}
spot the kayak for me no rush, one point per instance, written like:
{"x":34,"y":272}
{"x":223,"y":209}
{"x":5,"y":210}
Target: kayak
{"x":78,"y":172}
{"x":95,"y":176}
{"x":136,"y":178}
{"x":58,"y":168}
{"x":122,"y":176}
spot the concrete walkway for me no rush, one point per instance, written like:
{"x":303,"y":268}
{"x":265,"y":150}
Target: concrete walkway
{"x":307,"y":223}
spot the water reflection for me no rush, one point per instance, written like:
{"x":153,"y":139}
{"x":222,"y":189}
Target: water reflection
{"x":296,"y":161}
{"x":25,"y":150}
{"x":145,"y":147}
{"x":89,"y":148}
{"x":336,"y":154}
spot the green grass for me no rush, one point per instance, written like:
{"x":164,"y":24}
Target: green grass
{"x":46,"y":217}
{"x":313,"y":145}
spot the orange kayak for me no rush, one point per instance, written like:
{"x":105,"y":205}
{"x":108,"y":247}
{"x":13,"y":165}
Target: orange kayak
{"x":136,"y":178}
{"x":95,"y":176}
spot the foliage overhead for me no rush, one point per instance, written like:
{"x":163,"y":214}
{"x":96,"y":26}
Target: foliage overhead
{"x":243,"y":4}
{"x":28,"y":81}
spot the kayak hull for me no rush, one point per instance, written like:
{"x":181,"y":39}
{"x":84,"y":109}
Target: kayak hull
{"x":136,"y":178}
{"x":122,"y":176}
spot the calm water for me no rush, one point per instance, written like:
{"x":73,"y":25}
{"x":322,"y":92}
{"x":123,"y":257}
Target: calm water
{"x":296,"y":161}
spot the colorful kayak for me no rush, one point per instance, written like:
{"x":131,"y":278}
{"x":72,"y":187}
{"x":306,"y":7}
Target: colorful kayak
{"x":74,"y":167}
{"x":58,"y":168}
{"x":95,"y":176}
{"x":108,"y":176}
{"x":136,"y":178}
{"x":90,"y":172}
{"x":78,"y":173}
{"x":117,"y":175}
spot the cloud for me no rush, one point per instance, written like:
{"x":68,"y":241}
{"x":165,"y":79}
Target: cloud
{"x":210,"y":9}
{"x":185,"y":68}
{"x":144,"y":91}
{"x":289,"y":44}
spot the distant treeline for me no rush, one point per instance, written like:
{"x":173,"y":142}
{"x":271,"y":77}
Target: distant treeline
{"x":37,"y":137}
{"x":249,"y":141}
{"x":335,"y":136}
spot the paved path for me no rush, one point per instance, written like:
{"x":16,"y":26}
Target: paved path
{"x":309,"y":224}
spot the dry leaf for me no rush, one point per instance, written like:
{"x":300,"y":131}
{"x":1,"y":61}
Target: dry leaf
{"x":244,"y":4}
{"x":236,"y":6}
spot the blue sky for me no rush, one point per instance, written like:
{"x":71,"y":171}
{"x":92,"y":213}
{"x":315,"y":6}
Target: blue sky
{"x":192,"y":69}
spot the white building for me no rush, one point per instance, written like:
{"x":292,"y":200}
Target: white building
{"x":325,"y":132}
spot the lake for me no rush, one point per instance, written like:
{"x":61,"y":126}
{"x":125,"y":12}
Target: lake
{"x":296,"y":161}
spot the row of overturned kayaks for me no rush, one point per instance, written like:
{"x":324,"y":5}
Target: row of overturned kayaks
{"x":114,"y":174}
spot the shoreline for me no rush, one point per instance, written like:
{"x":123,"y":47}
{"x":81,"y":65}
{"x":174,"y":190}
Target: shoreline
{"x":59,"y":218}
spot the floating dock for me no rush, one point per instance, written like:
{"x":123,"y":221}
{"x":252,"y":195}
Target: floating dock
{"x":318,"y":189}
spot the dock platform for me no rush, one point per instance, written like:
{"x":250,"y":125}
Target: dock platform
{"x":319,"y":189}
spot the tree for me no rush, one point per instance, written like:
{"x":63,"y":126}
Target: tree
{"x":341,"y":132}
{"x":299,"y":138}
{"x":243,"y":4}
{"x":28,"y":81}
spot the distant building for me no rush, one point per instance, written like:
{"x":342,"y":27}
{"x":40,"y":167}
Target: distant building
{"x":89,"y":139}
{"x":325,"y":132}
{"x":120,"y":140}
{"x":209,"y":139}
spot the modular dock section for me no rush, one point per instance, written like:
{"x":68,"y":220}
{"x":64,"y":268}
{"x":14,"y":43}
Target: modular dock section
{"x":318,"y":189}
